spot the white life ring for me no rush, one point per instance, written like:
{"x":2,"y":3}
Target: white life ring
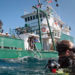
{"x":43,"y":29}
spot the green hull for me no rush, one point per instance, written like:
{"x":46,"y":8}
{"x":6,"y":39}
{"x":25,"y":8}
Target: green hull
{"x":27,"y":53}
{"x":14,"y":48}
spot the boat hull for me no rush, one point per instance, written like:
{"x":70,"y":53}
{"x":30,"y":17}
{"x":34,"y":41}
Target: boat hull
{"x":27,"y":53}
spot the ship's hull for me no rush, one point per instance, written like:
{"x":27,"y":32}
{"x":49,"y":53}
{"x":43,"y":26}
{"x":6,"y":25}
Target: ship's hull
{"x":27,"y":53}
{"x":14,"y":48}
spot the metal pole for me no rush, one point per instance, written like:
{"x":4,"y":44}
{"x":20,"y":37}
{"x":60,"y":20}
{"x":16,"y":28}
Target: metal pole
{"x":50,"y":33}
{"x":39,"y":27}
{"x":49,"y":29}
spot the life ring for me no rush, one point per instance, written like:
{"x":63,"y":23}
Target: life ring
{"x":43,"y":29}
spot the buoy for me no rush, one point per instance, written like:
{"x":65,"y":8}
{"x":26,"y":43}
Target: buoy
{"x":43,"y":29}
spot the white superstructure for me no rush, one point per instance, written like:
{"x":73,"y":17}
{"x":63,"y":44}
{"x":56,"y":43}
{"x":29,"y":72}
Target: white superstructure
{"x":57,"y":26}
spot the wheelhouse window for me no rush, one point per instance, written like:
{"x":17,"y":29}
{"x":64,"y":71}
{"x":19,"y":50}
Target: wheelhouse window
{"x":30,"y":17}
{"x":25,"y":19}
{"x":56,"y":33}
{"x":33,"y":17}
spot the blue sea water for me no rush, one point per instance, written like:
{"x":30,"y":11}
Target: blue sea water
{"x":25,"y":66}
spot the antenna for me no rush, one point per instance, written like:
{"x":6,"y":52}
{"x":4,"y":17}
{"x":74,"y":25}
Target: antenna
{"x":39,"y":4}
{"x":38,"y":1}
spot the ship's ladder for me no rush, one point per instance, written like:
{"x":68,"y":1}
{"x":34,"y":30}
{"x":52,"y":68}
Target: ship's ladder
{"x":38,"y":48}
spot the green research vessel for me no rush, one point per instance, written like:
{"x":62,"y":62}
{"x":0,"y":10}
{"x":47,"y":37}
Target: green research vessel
{"x":43,"y":25}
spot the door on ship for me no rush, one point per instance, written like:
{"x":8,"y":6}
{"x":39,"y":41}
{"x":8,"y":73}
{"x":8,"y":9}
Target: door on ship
{"x":46,"y":45}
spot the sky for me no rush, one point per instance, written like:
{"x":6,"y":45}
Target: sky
{"x":12,"y":10}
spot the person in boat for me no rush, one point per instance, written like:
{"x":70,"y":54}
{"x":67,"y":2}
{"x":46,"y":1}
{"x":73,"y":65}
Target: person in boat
{"x":1,"y":30}
{"x":66,"y":51}
{"x":36,"y":39}
{"x":7,"y":34}
{"x":1,"y":24}
{"x":31,"y":42}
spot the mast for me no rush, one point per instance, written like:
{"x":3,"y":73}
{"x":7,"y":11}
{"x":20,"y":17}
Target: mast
{"x":39,"y":24}
{"x":39,"y":27}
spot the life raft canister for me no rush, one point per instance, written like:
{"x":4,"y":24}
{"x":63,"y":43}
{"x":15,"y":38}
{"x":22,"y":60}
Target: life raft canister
{"x":43,"y":29}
